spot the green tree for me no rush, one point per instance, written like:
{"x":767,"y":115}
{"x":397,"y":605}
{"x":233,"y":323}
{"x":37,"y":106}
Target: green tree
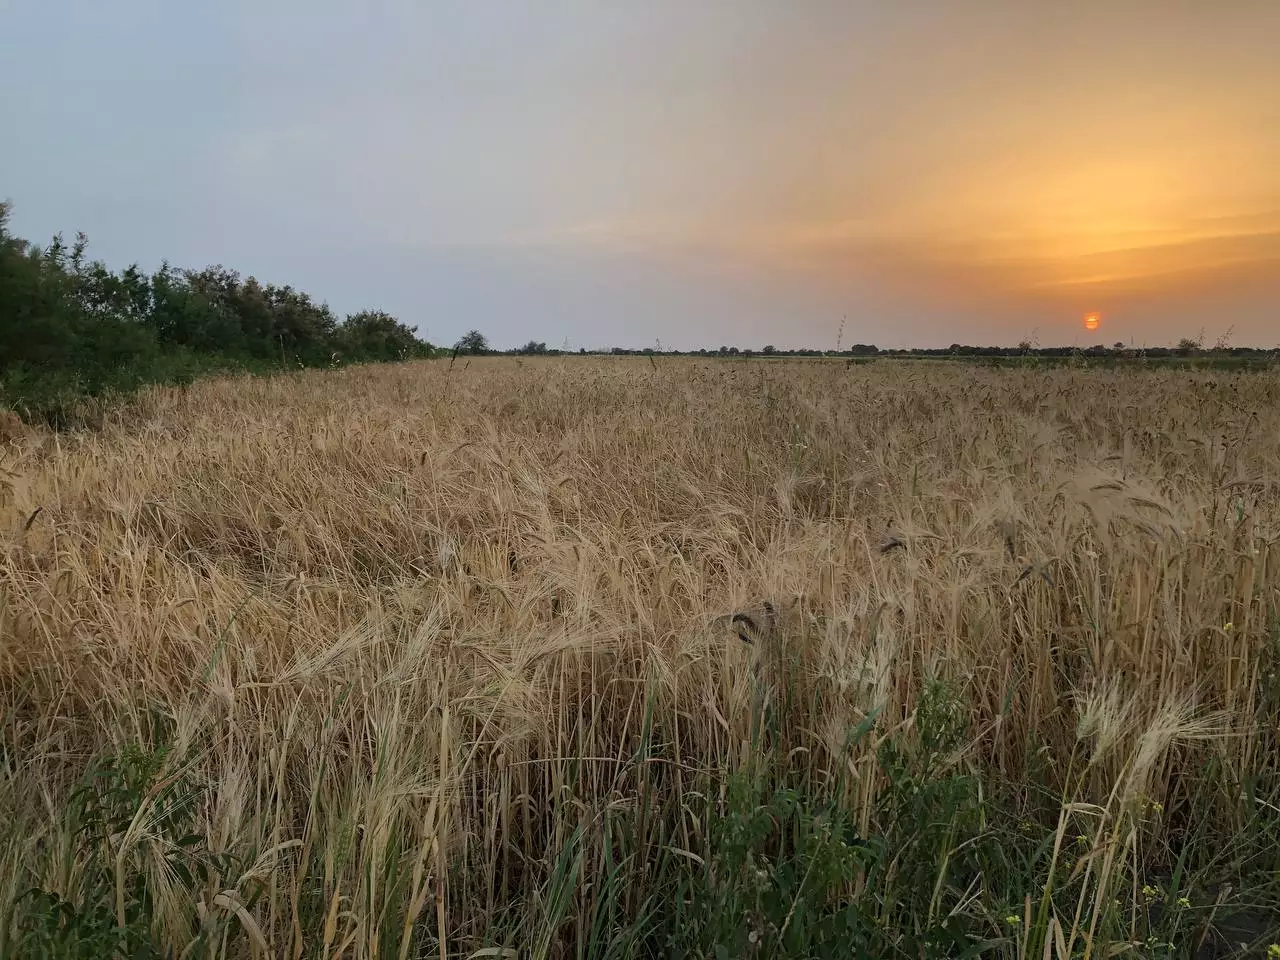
{"x":473,"y":341}
{"x":70,"y":326}
{"x":1187,"y":346}
{"x":35,"y":323}
{"x":375,"y":335}
{"x":182,"y":314}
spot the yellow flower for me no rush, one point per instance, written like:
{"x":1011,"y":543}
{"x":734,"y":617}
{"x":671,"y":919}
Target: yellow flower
{"x":1273,"y":952}
{"x":1228,"y":626}
{"x":1184,"y":903}
{"x":1012,"y":920}
{"x":1150,"y":892}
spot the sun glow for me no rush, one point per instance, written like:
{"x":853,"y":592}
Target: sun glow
{"x":1092,"y":321}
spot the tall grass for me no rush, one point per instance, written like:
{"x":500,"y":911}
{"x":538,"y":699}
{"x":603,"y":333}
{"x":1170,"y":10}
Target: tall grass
{"x":442,"y":660}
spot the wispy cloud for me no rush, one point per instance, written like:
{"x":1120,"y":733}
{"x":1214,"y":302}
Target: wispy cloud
{"x":1048,"y":261}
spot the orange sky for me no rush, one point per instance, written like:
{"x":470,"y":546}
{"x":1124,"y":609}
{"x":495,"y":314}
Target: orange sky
{"x":1039,"y":162}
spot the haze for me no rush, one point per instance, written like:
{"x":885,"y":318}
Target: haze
{"x":724,"y":171}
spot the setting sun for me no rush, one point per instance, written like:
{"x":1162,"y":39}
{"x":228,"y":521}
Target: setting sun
{"x":1092,"y":321}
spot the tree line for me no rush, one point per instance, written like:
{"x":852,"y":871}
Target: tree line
{"x":475,"y":342}
{"x":72,"y":328}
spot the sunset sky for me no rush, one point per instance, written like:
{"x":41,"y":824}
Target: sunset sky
{"x":694,"y":172}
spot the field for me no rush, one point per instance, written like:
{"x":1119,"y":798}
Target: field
{"x":624,"y":657}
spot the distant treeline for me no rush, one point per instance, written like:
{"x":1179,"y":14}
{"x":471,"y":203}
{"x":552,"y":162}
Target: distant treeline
{"x":70,"y":328}
{"x":1184,"y":349}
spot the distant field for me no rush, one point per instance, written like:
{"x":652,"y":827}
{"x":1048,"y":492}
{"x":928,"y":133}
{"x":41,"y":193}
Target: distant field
{"x":447,"y":659}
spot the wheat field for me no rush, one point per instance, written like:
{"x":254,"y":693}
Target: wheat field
{"x":453,"y":659}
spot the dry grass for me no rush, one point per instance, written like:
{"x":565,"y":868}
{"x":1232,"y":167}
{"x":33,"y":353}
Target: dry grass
{"x":408,"y":626}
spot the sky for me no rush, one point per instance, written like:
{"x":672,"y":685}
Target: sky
{"x":677,"y":172}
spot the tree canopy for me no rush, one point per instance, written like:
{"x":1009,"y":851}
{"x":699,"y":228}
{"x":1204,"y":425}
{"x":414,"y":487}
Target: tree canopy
{"x":71,"y":327}
{"x":473,"y":341}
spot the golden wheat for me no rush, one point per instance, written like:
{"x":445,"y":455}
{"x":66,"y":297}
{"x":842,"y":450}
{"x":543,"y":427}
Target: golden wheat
{"x":389,"y":614}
